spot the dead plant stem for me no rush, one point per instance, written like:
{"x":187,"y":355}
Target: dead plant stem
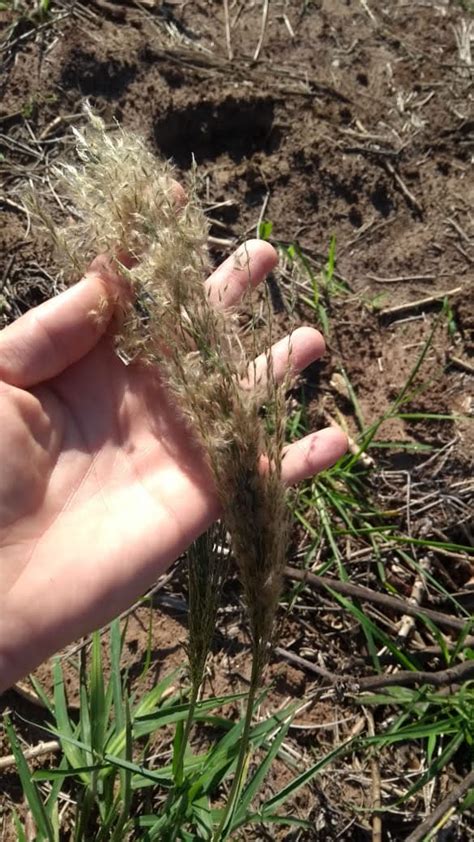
{"x":420,"y":303}
{"x":228,"y":38}
{"x":461,"y":672}
{"x":446,"y":804}
{"x":358,"y":592}
{"x":263,"y":30}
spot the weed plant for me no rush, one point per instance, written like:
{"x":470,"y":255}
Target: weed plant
{"x":118,"y":791}
{"x":106,"y":760}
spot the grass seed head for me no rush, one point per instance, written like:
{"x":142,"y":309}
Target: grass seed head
{"x":123,"y":202}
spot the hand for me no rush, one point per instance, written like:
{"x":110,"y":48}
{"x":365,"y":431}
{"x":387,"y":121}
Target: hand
{"x":101,"y":486}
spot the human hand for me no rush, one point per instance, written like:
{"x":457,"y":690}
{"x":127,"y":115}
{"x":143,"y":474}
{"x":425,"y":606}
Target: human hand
{"x":101,"y":484}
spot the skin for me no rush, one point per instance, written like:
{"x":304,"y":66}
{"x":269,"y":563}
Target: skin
{"x":101,"y":484}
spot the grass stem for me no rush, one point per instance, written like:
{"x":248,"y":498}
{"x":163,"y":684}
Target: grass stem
{"x":229,"y":809}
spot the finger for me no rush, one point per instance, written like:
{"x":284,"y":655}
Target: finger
{"x":244,"y":269}
{"x":312,"y":454}
{"x":49,"y":338}
{"x":179,"y":197}
{"x":46,"y":340}
{"x":288,"y":356}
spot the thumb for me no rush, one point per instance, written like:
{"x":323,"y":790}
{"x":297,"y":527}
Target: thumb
{"x":49,"y":338}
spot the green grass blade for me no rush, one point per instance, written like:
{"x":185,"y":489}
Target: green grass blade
{"x":428,"y":416}
{"x":354,"y":401}
{"x":56,"y":787}
{"x":144,"y":708}
{"x":331,"y":263}
{"x":74,"y":754}
{"x":157,"y":777}
{"x":171,"y":715}
{"x":222,"y":758}
{"x":149,"y":641}
{"x":21,"y":835}
{"x":177,"y":750}
{"x":98,"y":702}
{"x":290,"y":789}
{"x":152,"y":699}
{"x":30,"y":789}
{"x":115,"y":655}
{"x":399,"y":400}
{"x":62,"y":774}
{"x":438,"y":764}
{"x":374,"y":630}
{"x":42,"y":695}
{"x":202,"y":815}
{"x":255,"y":782}
{"x":85,"y":729}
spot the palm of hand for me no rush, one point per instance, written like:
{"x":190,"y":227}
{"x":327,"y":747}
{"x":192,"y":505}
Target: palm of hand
{"x":115,"y":487}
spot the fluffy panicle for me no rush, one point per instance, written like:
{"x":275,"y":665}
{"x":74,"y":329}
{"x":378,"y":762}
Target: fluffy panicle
{"x":124,"y":202}
{"x":207,"y":567}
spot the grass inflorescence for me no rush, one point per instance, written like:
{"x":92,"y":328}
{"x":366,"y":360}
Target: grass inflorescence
{"x":125,"y":205}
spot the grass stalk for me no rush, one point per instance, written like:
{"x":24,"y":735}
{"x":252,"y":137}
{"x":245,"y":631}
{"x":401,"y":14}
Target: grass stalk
{"x":179,"y":768}
{"x":238,"y":780}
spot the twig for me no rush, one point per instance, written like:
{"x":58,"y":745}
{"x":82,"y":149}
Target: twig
{"x":5,"y":200}
{"x":401,"y":278}
{"x":6,"y":271}
{"x":420,"y":302}
{"x":289,"y":26}
{"x":406,"y":678}
{"x":407,"y":622}
{"x":366,"y":460}
{"x":462,"y":364}
{"x":262,"y":214}
{"x":9,"y":45}
{"x":227,"y":203}
{"x":365,"y":6}
{"x":451,"y":799}
{"x":30,"y":696}
{"x":219,"y":241}
{"x":464,"y":253}
{"x":30,"y":753}
{"x":450,"y":645}
{"x":262,"y":31}
{"x":386,"y":601}
{"x":441,"y":678}
{"x":460,"y":230}
{"x":376,"y":785}
{"x":58,"y":121}
{"x":111,"y":10}
{"x":228,"y":38}
{"x":298,"y":661}
{"x":406,"y":192}
{"x":237,"y":14}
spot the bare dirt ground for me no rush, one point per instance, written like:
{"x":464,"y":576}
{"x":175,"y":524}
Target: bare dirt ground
{"x":332,"y":118}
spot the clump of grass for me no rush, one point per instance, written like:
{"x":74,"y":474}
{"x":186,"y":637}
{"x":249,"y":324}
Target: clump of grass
{"x":124,"y":203}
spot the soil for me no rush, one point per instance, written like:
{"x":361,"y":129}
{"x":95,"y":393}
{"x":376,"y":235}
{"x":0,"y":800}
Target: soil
{"x":354,"y":121}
